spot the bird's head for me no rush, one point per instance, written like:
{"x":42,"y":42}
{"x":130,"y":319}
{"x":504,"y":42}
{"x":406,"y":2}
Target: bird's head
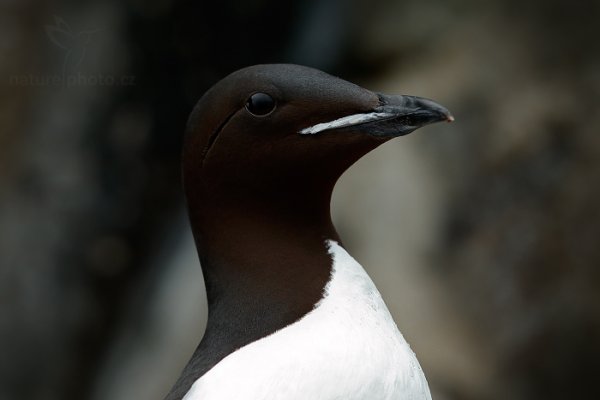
{"x":286,"y":131}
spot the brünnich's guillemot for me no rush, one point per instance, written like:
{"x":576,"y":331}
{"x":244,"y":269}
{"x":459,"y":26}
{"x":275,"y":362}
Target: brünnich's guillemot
{"x":291,"y":314}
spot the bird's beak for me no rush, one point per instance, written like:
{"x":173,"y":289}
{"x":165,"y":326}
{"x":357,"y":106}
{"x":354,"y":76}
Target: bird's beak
{"x":394,"y":116}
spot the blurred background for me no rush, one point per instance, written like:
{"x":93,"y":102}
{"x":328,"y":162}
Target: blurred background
{"x":482,"y":235}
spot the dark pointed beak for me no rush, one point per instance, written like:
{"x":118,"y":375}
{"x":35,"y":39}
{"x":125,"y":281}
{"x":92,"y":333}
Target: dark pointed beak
{"x":393,"y":116}
{"x":401,"y":115}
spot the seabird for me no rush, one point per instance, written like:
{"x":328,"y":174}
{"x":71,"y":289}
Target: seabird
{"x":291,"y":314}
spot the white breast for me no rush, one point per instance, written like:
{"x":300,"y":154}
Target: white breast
{"x":347,"y":348}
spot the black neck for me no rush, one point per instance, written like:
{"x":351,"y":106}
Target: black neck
{"x":264,"y":268}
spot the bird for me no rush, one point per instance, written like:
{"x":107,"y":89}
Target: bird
{"x":291,"y":315}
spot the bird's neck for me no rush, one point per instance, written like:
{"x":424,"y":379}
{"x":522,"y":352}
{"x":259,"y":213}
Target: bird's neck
{"x":264,"y":248}
{"x":265,"y":267}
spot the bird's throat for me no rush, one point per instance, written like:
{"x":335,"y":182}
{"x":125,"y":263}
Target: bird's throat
{"x":255,"y":260}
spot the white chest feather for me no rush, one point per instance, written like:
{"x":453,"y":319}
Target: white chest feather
{"x":347,"y":348}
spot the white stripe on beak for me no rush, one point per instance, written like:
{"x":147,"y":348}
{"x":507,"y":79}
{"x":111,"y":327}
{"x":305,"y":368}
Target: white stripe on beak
{"x":349,"y":120}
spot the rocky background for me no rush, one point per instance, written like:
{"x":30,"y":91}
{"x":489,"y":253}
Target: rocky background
{"x":483,"y":235}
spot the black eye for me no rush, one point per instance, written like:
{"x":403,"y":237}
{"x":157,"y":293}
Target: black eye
{"x":260,"y":104}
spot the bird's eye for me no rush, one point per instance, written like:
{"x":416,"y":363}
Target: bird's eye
{"x":260,"y":104}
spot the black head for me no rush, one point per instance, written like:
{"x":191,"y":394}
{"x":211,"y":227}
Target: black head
{"x":287,"y":132}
